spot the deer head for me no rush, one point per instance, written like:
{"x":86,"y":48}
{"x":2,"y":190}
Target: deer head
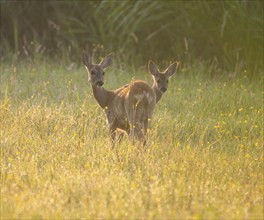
{"x":96,"y":71}
{"x":161,"y":79}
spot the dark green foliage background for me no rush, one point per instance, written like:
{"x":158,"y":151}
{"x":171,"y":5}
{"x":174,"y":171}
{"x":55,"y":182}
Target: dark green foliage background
{"x":229,"y":33}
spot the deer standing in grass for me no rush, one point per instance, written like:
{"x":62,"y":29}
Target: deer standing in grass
{"x":161,"y":79}
{"x":130,"y":107}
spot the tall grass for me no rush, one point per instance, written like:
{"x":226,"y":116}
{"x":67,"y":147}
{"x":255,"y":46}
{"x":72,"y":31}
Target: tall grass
{"x":230,"y":32}
{"x":203,"y":160}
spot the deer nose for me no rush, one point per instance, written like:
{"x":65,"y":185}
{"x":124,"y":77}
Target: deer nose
{"x":99,"y":83}
{"x":163,"y":89}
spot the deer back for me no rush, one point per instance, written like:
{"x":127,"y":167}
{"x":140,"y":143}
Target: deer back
{"x":137,"y":98}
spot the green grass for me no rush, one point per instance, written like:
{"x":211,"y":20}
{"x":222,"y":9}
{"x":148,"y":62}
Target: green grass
{"x":204,"y":157}
{"x":228,"y":32}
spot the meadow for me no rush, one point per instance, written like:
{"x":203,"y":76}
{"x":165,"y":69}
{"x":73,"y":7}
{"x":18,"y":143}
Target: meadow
{"x":203,"y":160}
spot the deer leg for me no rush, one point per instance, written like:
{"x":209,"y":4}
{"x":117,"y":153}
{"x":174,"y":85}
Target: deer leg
{"x":135,"y":128}
{"x":113,"y":135}
{"x":120,"y":137}
{"x":132,"y":135}
{"x":139,"y":134}
{"x":131,"y":121}
{"x":146,"y":124}
{"x":116,"y":136}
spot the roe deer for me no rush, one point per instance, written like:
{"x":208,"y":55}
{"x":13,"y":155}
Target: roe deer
{"x":128,"y":108}
{"x":161,"y":79}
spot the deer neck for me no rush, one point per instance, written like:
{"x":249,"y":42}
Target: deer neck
{"x":157,"y":92}
{"x":102,"y":95}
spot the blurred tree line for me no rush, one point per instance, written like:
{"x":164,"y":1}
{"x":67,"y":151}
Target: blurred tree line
{"x":229,"y":33}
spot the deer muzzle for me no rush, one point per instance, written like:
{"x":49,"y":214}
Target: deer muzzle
{"x":99,"y":83}
{"x":163,"y":89}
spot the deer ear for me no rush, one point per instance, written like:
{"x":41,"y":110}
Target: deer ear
{"x":152,"y":67}
{"x":87,"y":60}
{"x":172,"y":69}
{"x":107,"y":61}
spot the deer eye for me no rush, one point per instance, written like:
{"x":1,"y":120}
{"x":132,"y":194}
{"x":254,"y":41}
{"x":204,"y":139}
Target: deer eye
{"x":103,"y":73}
{"x":158,"y":81}
{"x":92,"y":72}
{"x":167,"y":80}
